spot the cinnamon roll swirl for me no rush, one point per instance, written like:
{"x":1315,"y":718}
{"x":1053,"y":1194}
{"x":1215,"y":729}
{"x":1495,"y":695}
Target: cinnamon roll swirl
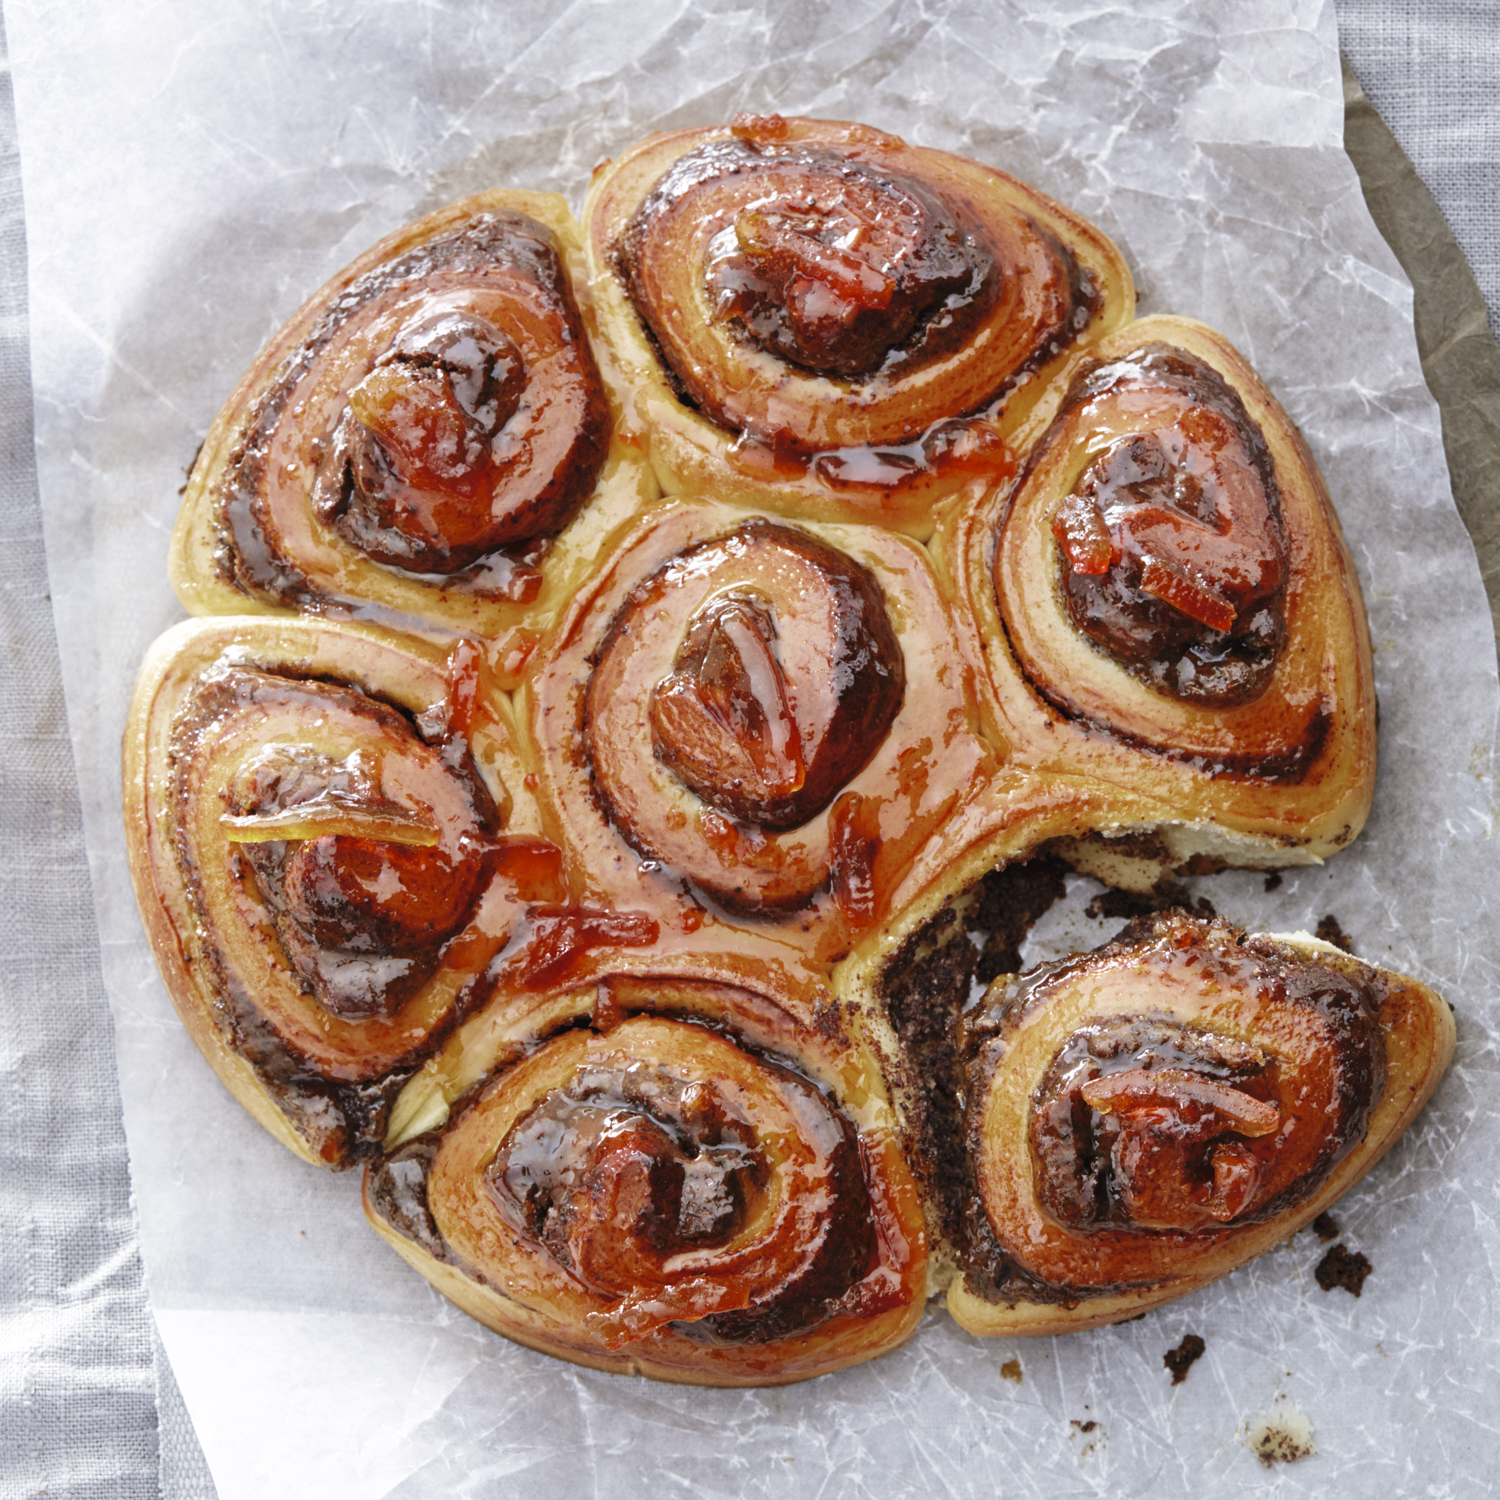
{"x":671,"y":1176}
{"x":415,"y":443}
{"x":1145,"y":1118}
{"x":819,"y":317}
{"x":1163,"y":600}
{"x":746,"y":719}
{"x":327,"y":852}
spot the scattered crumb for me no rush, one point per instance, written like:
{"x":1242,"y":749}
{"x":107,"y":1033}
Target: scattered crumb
{"x":1273,"y":881}
{"x":1329,"y":931}
{"x":1343,"y":1267}
{"x":1089,"y":1435}
{"x":1283,"y":1437}
{"x":1011,"y":1370}
{"x":1325,"y":1226}
{"x":1181,"y":1359}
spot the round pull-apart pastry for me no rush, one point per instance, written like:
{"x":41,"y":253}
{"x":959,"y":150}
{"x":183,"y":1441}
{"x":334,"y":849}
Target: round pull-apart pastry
{"x":666,"y":1175}
{"x":1163,"y":600}
{"x":415,"y":443}
{"x":816,"y":317}
{"x":1145,"y":1118}
{"x":748,"y":719}
{"x":329,"y":858}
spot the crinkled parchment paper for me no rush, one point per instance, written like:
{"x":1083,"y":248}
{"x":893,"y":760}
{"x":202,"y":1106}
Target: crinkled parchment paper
{"x":192,"y":172}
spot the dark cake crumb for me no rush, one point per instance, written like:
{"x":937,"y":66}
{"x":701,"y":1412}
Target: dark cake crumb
{"x":1131,"y":904}
{"x":1325,"y":1226}
{"x":1273,"y":881}
{"x":1010,"y":901}
{"x":1182,"y":1359}
{"x":1343,"y":1267}
{"x":1088,"y":1426}
{"x":1329,"y":931}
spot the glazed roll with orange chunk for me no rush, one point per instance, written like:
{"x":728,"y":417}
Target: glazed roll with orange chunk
{"x":665,"y":1174}
{"x":329,"y":853}
{"x":417,"y":441}
{"x":1162,"y":599}
{"x":1143,"y":1119}
{"x":815,"y":316}
{"x":745,"y":721}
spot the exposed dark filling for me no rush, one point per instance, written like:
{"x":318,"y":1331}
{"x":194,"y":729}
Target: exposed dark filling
{"x":397,"y":1191}
{"x":724,"y":719}
{"x":1173,"y":560}
{"x":455,"y":376}
{"x":619,"y":1165}
{"x":832,"y":265}
{"x":925,"y":986}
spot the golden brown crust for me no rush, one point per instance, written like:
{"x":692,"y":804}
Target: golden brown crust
{"x":267,"y":523}
{"x":793,"y":1246}
{"x":881,"y":446}
{"x":1285,"y":777}
{"x":1145,"y":1119}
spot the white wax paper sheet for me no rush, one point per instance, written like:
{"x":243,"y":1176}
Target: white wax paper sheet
{"x":192,"y":172}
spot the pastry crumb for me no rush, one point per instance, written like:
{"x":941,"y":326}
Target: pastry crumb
{"x":1182,"y":1359}
{"x":1282,"y":1438}
{"x":1325,"y":1226}
{"x":1329,"y":931}
{"x":1343,"y":1267}
{"x":1011,"y":1370}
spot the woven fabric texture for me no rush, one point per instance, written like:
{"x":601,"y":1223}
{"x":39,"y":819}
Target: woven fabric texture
{"x":1432,"y":70}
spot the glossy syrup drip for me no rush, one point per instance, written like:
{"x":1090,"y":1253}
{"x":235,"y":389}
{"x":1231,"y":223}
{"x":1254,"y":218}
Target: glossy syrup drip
{"x":450,"y":453}
{"x":1173,"y":558}
{"x":418,"y":446}
{"x":652,"y":1190}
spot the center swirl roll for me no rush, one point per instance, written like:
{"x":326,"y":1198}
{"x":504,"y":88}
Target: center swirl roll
{"x":818,"y":315}
{"x":672,"y":1176}
{"x":771,"y":719}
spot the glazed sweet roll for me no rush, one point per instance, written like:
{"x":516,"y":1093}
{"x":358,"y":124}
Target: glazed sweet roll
{"x":669,"y":1176}
{"x":1143,"y":1119}
{"x":1164,"y":600}
{"x":417,"y":437}
{"x":818,"y":315}
{"x":754,"y":719}
{"x":327,"y":854}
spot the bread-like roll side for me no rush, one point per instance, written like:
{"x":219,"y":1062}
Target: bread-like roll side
{"x":1249,"y":709}
{"x":814,"y":317}
{"x":428,"y":441}
{"x":670,"y":1175}
{"x":327,"y":850}
{"x":1144,"y":1119}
